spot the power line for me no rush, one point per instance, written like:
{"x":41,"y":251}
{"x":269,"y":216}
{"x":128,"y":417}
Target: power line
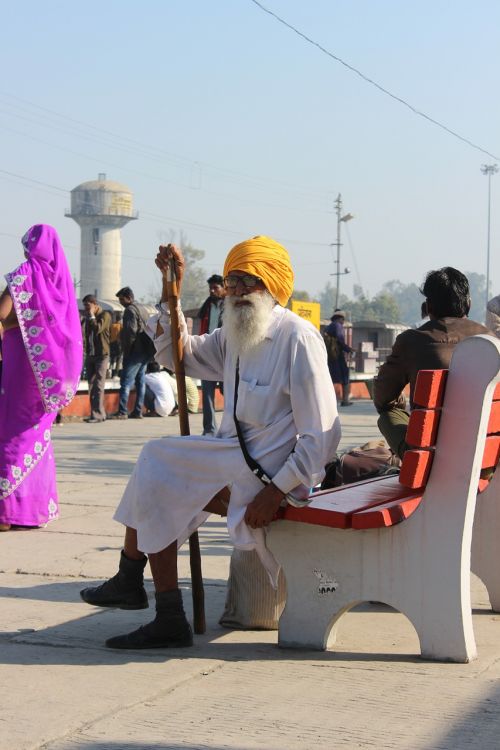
{"x":227,"y":196}
{"x":90,"y":132}
{"x":372,"y":82}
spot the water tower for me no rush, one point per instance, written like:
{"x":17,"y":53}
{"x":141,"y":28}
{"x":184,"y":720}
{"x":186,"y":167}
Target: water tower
{"x":101,"y":208}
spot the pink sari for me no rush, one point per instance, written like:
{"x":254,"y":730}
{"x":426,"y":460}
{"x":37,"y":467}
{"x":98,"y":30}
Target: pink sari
{"x":42,"y":361}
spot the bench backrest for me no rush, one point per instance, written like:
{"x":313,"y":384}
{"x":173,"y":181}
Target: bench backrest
{"x":423,"y":430}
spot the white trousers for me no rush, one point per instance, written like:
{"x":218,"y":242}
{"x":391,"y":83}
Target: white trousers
{"x":174,"y":479}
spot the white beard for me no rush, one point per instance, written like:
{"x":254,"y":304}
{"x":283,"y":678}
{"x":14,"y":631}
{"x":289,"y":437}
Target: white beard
{"x":246,"y":325}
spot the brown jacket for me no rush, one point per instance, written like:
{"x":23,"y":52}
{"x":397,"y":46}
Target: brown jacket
{"x":96,"y":333}
{"x":426,"y":348}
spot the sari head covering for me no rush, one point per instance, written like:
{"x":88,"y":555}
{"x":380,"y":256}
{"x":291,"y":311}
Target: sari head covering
{"x":44,"y":300}
{"x":263,"y":257}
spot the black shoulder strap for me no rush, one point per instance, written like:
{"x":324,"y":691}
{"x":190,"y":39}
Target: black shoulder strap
{"x":252,"y":464}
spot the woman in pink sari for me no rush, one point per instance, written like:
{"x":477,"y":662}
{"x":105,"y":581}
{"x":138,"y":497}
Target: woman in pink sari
{"x":41,"y":365}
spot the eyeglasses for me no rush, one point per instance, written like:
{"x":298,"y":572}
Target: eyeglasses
{"x":248,"y":281}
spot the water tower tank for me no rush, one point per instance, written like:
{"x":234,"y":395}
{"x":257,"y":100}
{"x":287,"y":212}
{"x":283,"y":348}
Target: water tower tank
{"x":101,"y":208}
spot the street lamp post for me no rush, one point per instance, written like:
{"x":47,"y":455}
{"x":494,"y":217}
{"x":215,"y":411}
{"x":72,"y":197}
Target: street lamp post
{"x":488,"y":170}
{"x":338,"y":273}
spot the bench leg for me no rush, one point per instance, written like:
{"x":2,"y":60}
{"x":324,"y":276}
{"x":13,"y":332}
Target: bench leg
{"x":315,"y":627}
{"x":485,"y":547}
{"x":440,"y":611}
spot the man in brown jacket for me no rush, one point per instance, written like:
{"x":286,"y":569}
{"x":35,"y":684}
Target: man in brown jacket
{"x":447,"y":303}
{"x":96,"y":328}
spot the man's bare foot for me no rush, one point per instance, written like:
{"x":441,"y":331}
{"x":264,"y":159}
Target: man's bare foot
{"x":4,"y":526}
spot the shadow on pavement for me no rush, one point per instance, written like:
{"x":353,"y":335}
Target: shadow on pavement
{"x":478,"y":729}
{"x":69,"y":591}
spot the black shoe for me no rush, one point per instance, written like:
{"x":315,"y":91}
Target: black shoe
{"x":180,"y":636}
{"x":169,"y":629}
{"x":135,"y":415}
{"x":118,"y":415}
{"x":346,"y":403}
{"x":93,"y":420}
{"x":108,"y":594}
{"x":124,"y":591}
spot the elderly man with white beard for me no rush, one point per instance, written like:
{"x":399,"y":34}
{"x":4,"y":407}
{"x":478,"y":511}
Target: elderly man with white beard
{"x":277,"y":390}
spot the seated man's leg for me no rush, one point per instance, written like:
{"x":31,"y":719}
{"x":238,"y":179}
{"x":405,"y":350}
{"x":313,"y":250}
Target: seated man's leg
{"x":170,"y":628}
{"x":150,"y":505}
{"x":125,"y":590}
{"x":149,"y":399}
{"x":393,"y":424}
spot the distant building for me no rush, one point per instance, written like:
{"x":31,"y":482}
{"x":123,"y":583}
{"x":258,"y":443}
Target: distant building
{"x":381,"y":335}
{"x":101,"y":208}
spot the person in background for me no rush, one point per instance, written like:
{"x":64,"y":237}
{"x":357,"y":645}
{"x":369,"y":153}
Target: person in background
{"x":210,"y":315}
{"x":42,"y":363}
{"x":192,"y":393}
{"x":96,"y":326}
{"x":429,"y":347}
{"x":338,"y":366}
{"x":135,"y":358}
{"x":115,"y":346}
{"x":159,"y":397}
{"x":493,"y":316}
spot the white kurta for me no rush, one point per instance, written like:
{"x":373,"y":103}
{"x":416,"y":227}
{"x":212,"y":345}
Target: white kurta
{"x":288,"y":413}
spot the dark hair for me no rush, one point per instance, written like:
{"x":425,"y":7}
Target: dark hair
{"x":125,"y":291}
{"x":215,"y":278}
{"x":447,"y":293}
{"x":153,"y":366}
{"x":90,"y":298}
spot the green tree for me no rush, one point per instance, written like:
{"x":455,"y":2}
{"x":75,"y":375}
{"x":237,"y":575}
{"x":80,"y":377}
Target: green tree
{"x":302,"y":295}
{"x":326,"y":299}
{"x":408,"y":298}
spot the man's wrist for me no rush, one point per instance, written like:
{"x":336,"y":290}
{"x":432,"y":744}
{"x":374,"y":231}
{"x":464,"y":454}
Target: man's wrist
{"x":277,"y":493}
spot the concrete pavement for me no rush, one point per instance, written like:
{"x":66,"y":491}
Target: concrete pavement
{"x":62,"y":690}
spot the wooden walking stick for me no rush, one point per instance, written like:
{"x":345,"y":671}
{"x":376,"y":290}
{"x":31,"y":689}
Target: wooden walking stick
{"x":178,"y":357}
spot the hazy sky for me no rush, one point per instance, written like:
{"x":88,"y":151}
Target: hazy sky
{"x":226,"y":124}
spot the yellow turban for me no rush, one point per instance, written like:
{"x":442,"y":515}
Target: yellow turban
{"x":263,"y":257}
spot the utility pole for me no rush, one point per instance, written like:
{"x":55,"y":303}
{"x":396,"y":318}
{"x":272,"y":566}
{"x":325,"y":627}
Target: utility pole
{"x":338,"y":273}
{"x":488,"y":170}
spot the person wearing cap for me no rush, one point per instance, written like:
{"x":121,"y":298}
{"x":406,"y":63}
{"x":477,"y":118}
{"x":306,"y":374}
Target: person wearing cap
{"x":279,"y":402}
{"x":210,"y":315}
{"x":339,"y":369}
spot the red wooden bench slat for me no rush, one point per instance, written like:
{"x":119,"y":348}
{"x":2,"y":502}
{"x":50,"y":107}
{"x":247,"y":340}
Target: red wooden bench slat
{"x":429,"y":388}
{"x":494,"y":421}
{"x":386,"y":501}
{"x":491,"y":453}
{"x":415,"y":468}
{"x":422,"y":428}
{"x":335,"y":507}
{"x":388,"y":514}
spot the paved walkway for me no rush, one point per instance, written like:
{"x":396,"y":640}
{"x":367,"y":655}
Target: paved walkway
{"x":62,"y":690}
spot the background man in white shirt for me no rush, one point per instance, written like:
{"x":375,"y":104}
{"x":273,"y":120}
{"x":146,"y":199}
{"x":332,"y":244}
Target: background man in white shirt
{"x":159,"y":398}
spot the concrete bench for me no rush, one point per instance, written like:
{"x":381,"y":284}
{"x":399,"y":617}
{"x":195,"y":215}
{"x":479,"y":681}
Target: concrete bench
{"x":406,"y":541}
